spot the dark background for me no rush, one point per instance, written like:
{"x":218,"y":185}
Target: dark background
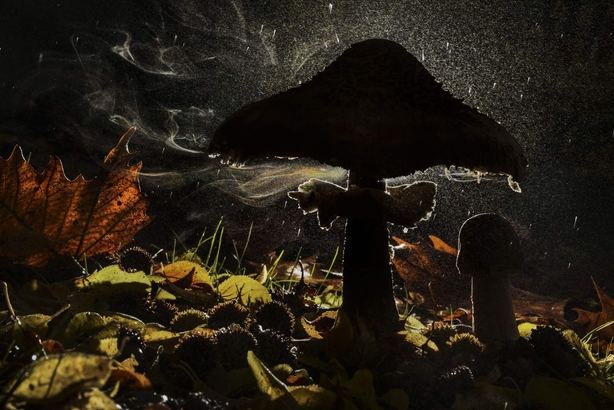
{"x":74,"y":75}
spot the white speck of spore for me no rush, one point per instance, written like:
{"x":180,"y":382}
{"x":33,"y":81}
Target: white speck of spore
{"x":574,"y":222}
{"x":330,"y":7}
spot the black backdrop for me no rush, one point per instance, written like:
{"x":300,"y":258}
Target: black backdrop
{"x":75,"y":74}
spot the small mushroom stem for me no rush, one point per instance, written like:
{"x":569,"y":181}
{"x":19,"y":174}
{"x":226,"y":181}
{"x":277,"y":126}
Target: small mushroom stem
{"x":494,"y":321}
{"x":367,"y":275}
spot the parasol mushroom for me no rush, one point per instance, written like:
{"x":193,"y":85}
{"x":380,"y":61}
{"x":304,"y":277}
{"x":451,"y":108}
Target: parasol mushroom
{"x":489,"y":251}
{"x":377,"y":112}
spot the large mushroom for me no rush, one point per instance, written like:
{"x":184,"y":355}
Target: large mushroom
{"x":489,"y":251}
{"x":377,"y":112}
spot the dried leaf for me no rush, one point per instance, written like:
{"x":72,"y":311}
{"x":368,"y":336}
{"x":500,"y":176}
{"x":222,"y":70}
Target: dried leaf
{"x":43,"y":215}
{"x":593,"y":320}
{"x":441,"y":246}
{"x":130,"y":380}
{"x":429,"y":268}
{"x":186,"y":274}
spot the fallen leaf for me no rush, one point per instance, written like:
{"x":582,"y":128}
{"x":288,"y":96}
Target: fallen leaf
{"x":441,"y":246}
{"x":112,"y":280}
{"x":429,"y":268}
{"x":313,"y":397}
{"x":186,"y":274}
{"x":361,"y":388}
{"x":270,"y":385}
{"x":130,"y":380}
{"x":251,"y":292}
{"x":43,"y":215}
{"x":54,"y":378}
{"x":592,"y":320}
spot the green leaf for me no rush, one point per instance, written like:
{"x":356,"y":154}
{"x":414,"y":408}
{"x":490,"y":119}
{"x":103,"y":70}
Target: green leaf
{"x":249,"y":290}
{"x":54,"y":378}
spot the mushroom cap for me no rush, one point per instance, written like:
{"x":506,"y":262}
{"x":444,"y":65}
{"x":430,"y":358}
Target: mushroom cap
{"x":489,"y":247}
{"x":375,"y":110}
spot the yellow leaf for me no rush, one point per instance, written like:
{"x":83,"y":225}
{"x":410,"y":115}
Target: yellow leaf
{"x":270,"y":385}
{"x":361,"y":387}
{"x":178,"y":272}
{"x":54,"y":378}
{"x":313,"y":397}
{"x":250,"y":291}
{"x":112,"y":280}
{"x":525,"y":329}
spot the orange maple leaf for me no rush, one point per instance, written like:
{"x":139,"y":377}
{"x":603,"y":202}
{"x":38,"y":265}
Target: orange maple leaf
{"x":43,"y":215}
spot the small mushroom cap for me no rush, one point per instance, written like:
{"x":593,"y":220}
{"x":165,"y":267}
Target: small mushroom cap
{"x":488,"y":247}
{"x":375,"y":110}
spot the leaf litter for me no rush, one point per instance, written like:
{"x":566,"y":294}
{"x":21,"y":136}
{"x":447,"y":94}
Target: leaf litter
{"x":105,"y":340}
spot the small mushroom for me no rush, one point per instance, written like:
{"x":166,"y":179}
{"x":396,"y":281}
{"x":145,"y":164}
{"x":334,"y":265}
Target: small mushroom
{"x":377,"y":112}
{"x":489,"y":251}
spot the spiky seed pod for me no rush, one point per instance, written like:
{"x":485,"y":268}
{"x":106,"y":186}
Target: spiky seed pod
{"x":199,"y":350}
{"x":130,"y":342}
{"x":296,"y":302}
{"x":440,"y":334}
{"x":275,"y":316}
{"x":465,"y":349}
{"x":233,"y":345}
{"x":274,"y":348}
{"x":188,"y":320}
{"x":160,"y":311}
{"x":543,"y":338}
{"x":456,"y":380}
{"x":552,"y":348}
{"x":227,"y":313}
{"x":464,"y":342}
{"x":135,"y":259}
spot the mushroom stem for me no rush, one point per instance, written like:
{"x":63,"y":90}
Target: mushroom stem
{"x":494,"y":320}
{"x":367,"y":275}
{"x":489,"y":251}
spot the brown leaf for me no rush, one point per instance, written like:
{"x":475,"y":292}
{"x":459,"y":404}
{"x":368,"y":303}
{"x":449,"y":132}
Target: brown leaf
{"x":43,"y":215}
{"x":592,"y":320}
{"x":429,"y":268}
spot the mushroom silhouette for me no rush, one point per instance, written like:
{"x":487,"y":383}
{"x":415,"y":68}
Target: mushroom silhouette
{"x":489,"y":251}
{"x":377,"y":112}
